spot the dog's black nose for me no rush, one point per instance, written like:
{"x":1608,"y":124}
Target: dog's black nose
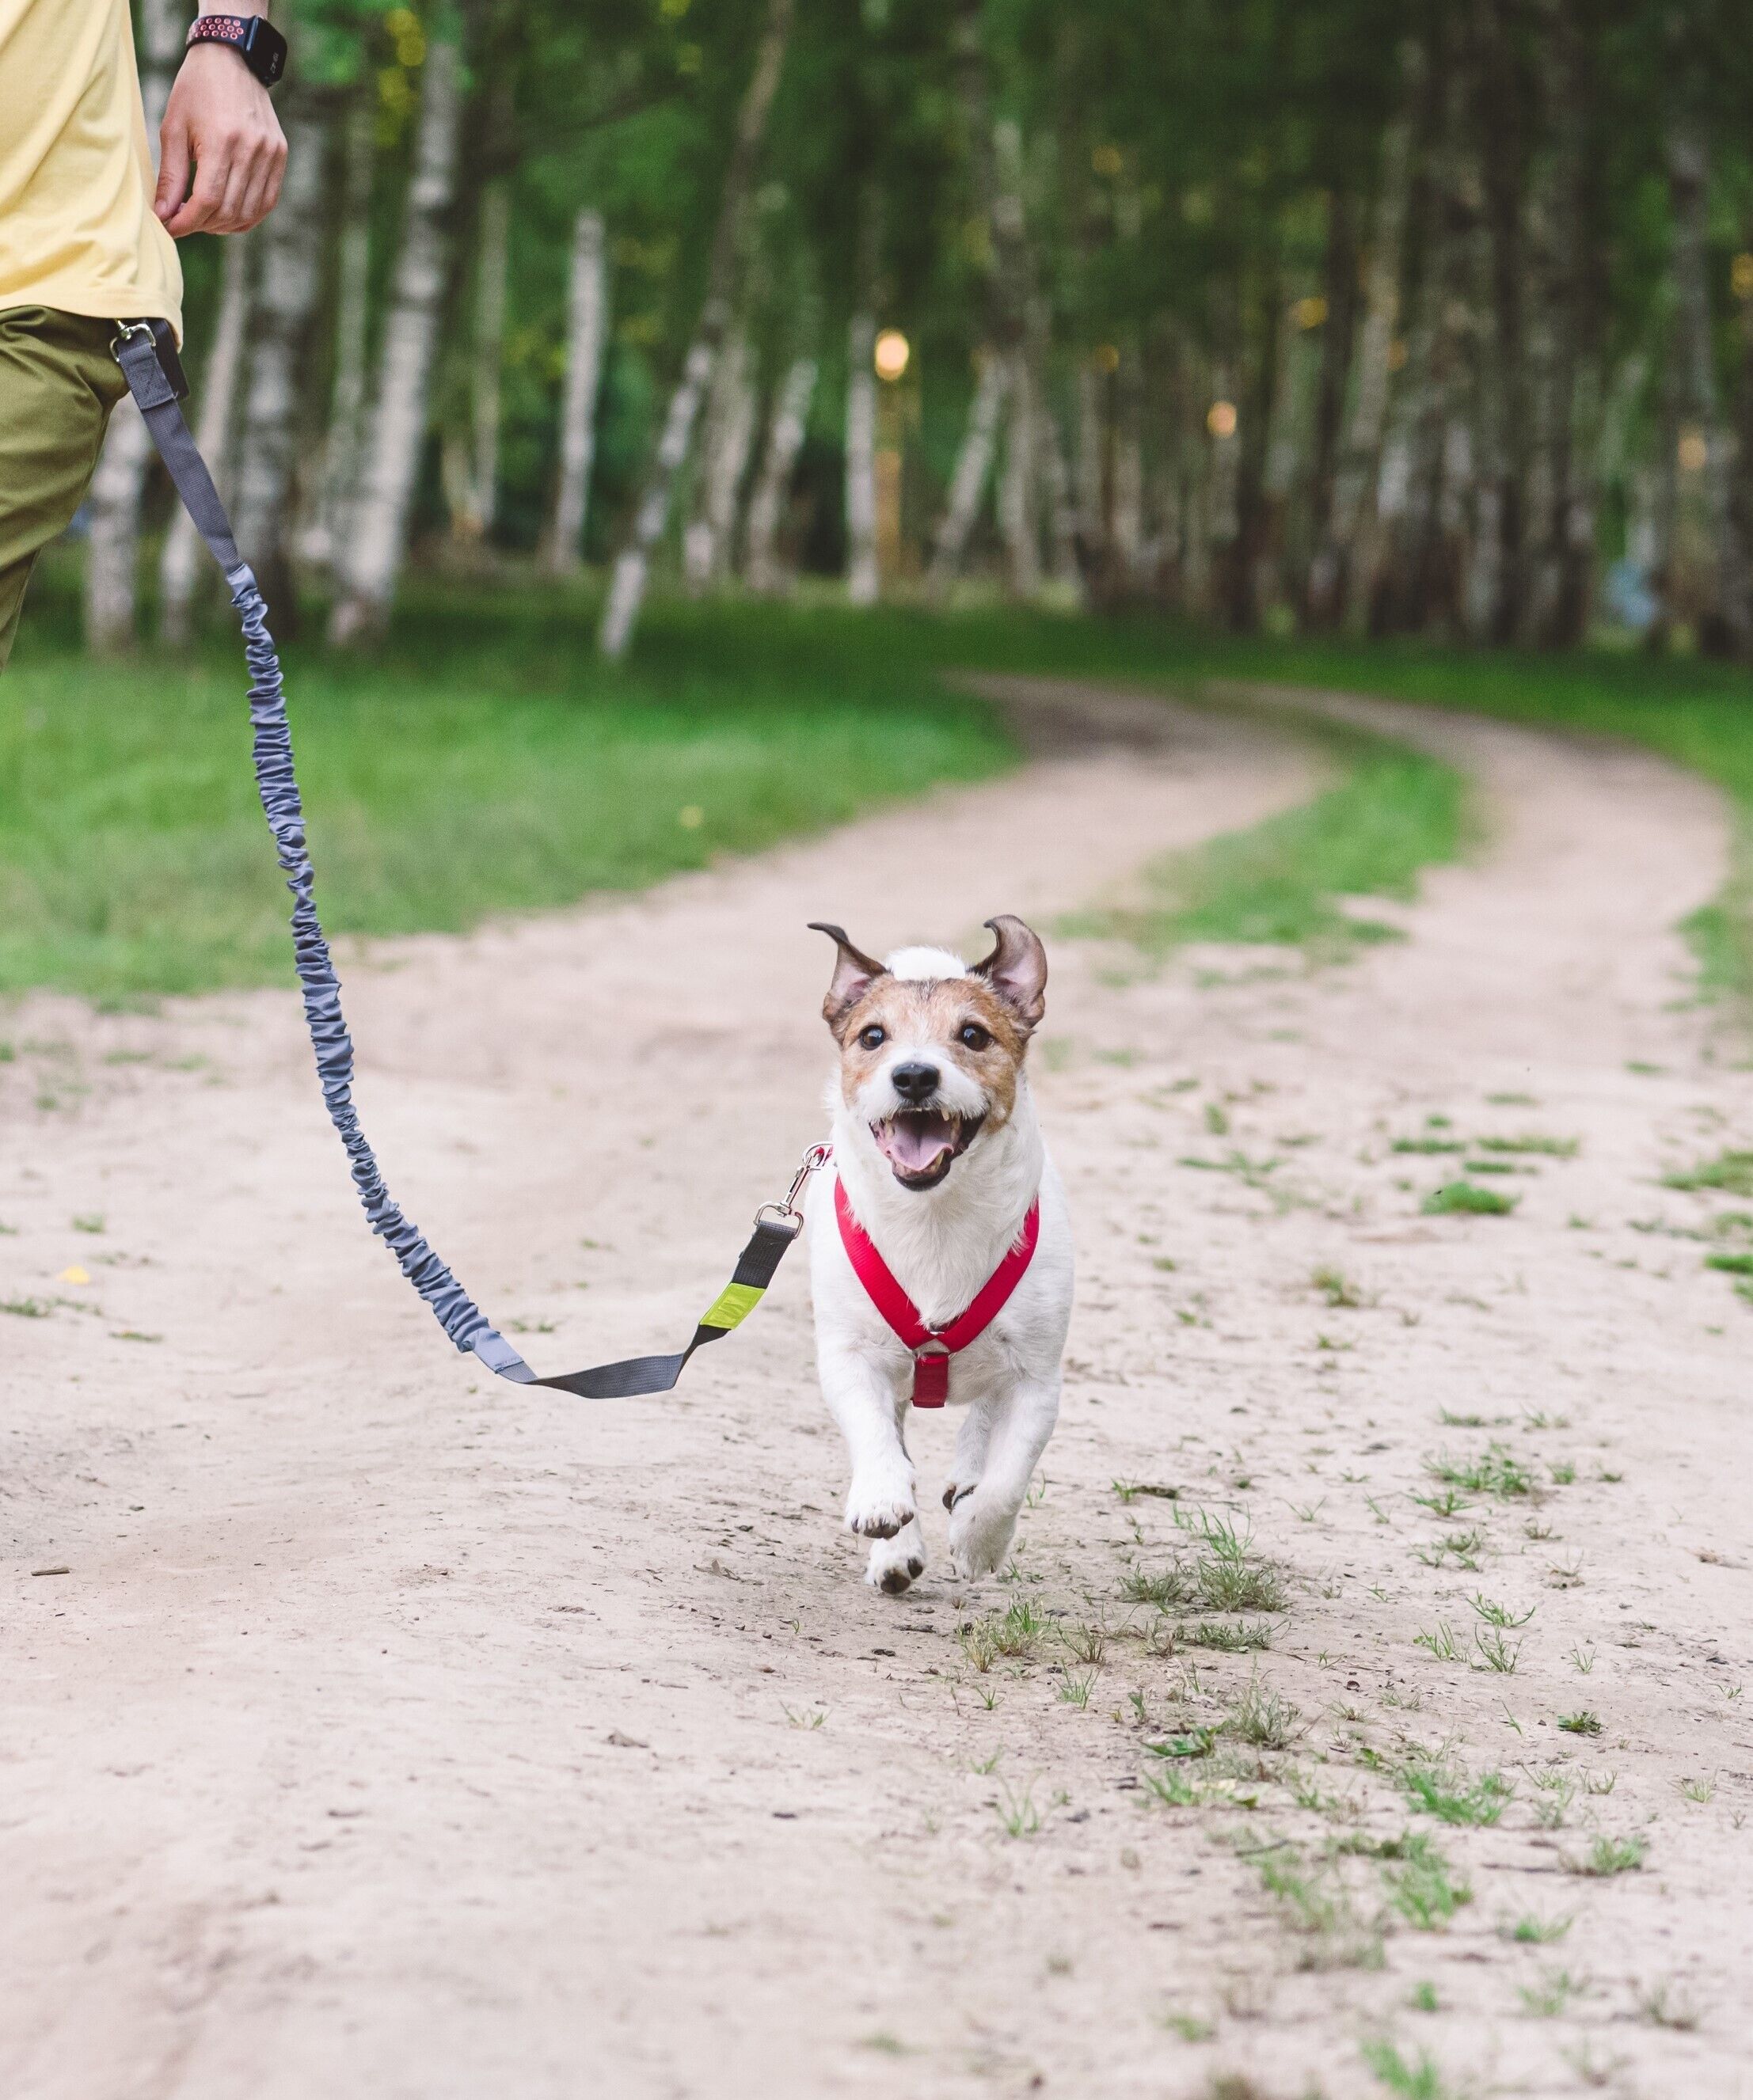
{"x":916,"y":1083}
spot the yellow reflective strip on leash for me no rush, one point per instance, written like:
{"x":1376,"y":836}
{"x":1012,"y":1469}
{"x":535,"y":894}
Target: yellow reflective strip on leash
{"x":732,"y":1306}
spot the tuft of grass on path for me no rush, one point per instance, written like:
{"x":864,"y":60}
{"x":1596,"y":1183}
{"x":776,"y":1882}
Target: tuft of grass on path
{"x":1395,"y":812}
{"x":1467,"y":1196}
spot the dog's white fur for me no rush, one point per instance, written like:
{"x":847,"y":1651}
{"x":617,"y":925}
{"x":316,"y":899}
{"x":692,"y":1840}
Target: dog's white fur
{"x":941,"y":1245}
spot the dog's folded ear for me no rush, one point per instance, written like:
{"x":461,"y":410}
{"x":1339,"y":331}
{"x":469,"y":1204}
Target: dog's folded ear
{"x":854,"y":973}
{"x":1017,"y":968}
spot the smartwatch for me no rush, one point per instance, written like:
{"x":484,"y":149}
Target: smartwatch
{"x":253,"y":37}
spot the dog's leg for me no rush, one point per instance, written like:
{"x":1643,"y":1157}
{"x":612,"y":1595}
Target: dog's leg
{"x":864,"y":1402}
{"x":982,"y":1523}
{"x":896,"y":1564}
{"x":972,"y":1439}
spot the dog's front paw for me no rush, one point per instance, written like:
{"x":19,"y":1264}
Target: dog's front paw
{"x":896,"y":1564}
{"x":980,"y":1535}
{"x":880,"y":1501}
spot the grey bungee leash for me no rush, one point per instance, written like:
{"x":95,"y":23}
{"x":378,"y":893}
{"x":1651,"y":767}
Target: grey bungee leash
{"x":146,"y":354}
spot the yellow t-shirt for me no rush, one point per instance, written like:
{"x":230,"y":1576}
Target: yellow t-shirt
{"x":78,"y":231}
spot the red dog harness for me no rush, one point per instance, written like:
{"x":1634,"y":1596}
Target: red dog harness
{"x":932,"y":1347}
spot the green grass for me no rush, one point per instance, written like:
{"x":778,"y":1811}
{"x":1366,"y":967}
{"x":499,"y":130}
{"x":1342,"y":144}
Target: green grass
{"x":1454,"y":1797}
{"x":1411,"y":2078}
{"x":1697,"y":712}
{"x":1424,"y":1888}
{"x":1731,"y":1172}
{"x":1456,"y":1197}
{"x":485,"y":763}
{"x":1394,"y":812}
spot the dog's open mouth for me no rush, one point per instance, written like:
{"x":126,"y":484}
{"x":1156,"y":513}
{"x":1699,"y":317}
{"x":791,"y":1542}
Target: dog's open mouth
{"x":922,"y":1144}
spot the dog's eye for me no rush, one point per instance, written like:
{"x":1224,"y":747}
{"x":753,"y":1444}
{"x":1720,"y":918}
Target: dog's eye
{"x":974,"y":1035}
{"x":871,"y":1037}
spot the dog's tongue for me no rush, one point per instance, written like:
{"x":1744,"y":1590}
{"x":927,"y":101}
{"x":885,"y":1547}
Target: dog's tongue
{"x":913,"y":1141}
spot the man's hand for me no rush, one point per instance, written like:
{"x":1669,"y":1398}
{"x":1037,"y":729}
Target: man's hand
{"x":220,"y":129}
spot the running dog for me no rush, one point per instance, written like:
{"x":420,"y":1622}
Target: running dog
{"x":940,"y":1245}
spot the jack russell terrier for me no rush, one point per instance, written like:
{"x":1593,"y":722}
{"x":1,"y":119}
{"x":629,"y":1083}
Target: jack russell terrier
{"x":940,"y":1247}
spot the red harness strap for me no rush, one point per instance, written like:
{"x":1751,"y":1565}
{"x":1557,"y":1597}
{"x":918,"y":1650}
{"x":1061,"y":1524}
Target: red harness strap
{"x":933,"y":1348}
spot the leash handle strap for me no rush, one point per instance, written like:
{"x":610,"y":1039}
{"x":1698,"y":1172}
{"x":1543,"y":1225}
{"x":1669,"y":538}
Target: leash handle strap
{"x":776,"y":1227}
{"x":932,"y":1347}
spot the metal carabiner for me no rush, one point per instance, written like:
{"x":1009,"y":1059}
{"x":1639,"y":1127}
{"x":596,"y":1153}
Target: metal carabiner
{"x":786,"y":1213}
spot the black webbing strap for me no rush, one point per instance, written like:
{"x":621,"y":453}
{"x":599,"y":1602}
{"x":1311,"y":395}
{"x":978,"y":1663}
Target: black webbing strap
{"x":137,"y":352}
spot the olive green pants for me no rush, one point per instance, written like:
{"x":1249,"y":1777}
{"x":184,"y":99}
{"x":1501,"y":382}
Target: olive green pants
{"x":58,"y":384}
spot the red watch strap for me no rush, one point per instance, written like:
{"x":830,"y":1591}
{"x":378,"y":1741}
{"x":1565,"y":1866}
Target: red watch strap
{"x":218,"y":29}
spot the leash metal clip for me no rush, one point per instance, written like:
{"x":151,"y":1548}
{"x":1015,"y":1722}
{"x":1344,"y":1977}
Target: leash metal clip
{"x":786,"y":1214}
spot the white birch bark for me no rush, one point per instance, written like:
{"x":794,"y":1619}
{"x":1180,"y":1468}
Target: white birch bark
{"x":1019,"y":499}
{"x":378,"y":539}
{"x":1343,"y":558}
{"x":288,"y":280}
{"x":706,"y":545}
{"x":587,"y":322}
{"x":632,"y":566}
{"x":1061,"y":506}
{"x":785,"y":435}
{"x":113,"y":546}
{"x":489,"y":353}
{"x":863,"y":583}
{"x":183,"y":557}
{"x":974,"y":463}
{"x":344,"y":442}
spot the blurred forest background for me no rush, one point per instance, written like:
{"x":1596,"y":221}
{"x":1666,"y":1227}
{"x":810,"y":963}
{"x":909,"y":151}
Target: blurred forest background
{"x":635,"y":407}
{"x":1291,"y":315}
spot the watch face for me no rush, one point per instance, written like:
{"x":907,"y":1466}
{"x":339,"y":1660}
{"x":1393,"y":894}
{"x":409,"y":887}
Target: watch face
{"x":265,"y":48}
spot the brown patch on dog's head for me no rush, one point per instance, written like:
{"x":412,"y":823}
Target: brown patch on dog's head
{"x":929,"y":1062}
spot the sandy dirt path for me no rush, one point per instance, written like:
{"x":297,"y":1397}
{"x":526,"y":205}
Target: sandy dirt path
{"x":395,"y":1732}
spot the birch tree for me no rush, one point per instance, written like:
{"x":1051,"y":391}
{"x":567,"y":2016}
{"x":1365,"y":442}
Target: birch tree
{"x":974,"y":464}
{"x":586,"y":328}
{"x":113,"y":546}
{"x":471,"y":452}
{"x":1343,"y":555}
{"x":627,"y":586}
{"x":344,"y":440}
{"x":706,"y":546}
{"x":290,"y":274}
{"x":863,"y":582}
{"x":785,"y":436}
{"x":1576,"y":396}
{"x":183,"y":561}
{"x":377,"y":534}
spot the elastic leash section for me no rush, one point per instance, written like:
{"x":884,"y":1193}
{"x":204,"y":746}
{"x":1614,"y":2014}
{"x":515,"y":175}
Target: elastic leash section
{"x":156,"y":382}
